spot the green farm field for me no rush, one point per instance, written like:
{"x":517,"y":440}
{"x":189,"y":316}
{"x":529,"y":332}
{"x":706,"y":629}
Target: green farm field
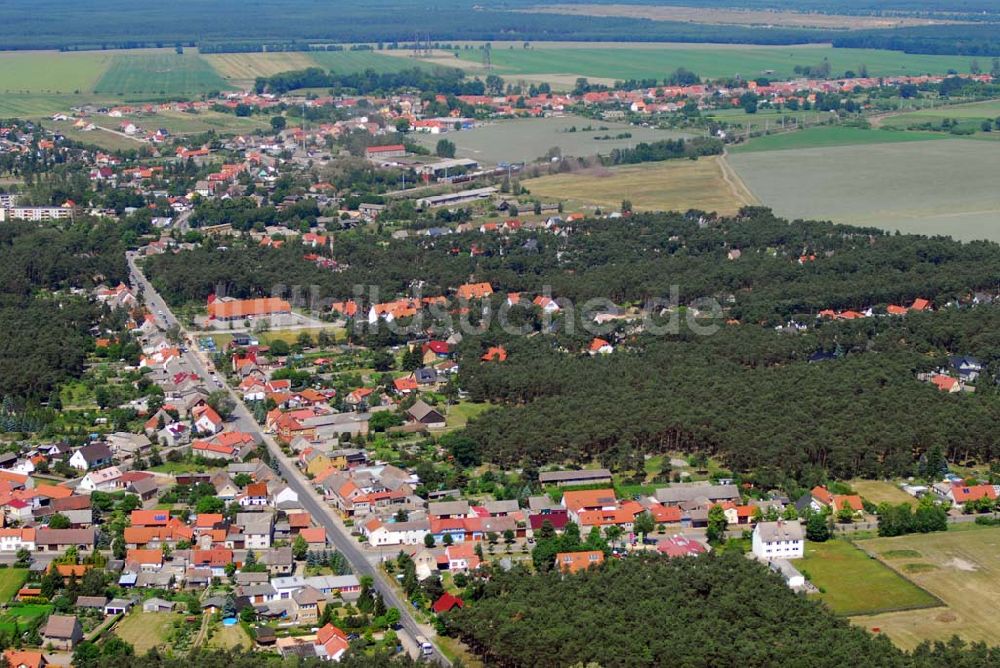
{"x":623,"y":61}
{"x":856,"y":584}
{"x":159,"y":74}
{"x":831,"y":135}
{"x":962,"y":568}
{"x":359,"y":61}
{"x":245,"y":67}
{"x":51,"y":72}
{"x":923,"y":187}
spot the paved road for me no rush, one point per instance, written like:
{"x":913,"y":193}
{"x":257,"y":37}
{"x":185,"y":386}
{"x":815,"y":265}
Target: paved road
{"x":243,"y":420}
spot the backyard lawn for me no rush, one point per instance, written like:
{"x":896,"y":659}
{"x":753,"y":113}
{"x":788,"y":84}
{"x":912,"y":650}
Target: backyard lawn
{"x":146,"y":630}
{"x":11,"y":579}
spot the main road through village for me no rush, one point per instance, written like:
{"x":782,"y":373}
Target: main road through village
{"x":321,"y":513}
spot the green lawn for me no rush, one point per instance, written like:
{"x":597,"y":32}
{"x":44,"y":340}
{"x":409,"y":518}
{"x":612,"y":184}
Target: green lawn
{"x":11,"y":580}
{"x":989,"y":109}
{"x":18,"y":617}
{"x":831,"y":135}
{"x":159,"y":74}
{"x":462,"y":412}
{"x":856,"y":584}
{"x":712,"y":61}
{"x":146,"y":630}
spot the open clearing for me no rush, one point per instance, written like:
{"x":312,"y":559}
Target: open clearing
{"x":671,"y":185}
{"x":831,"y":135}
{"x":856,"y":584}
{"x":164,"y":73}
{"x":51,"y":71}
{"x":146,"y":630}
{"x":741,"y":17}
{"x":879,"y":491}
{"x":526,"y":140}
{"x":925,"y":187}
{"x":707,"y":60}
{"x":962,"y":568}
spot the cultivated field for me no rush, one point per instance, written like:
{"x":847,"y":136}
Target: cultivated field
{"x":146,"y":630}
{"x":856,"y":584}
{"x":741,"y":17}
{"x":831,"y":135}
{"x":926,"y":187}
{"x":526,"y":140}
{"x":661,"y":186}
{"x":164,"y":73}
{"x":358,"y":61}
{"x":51,"y":72}
{"x":879,"y":491}
{"x":618,"y":61}
{"x":962,"y":568}
{"x":243,"y":68}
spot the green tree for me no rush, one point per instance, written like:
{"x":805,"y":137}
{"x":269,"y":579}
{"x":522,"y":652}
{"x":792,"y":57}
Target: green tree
{"x":445,"y":149}
{"x":299,"y":547}
{"x":644,"y":524}
{"x":278,"y":123}
{"x":59,"y":521}
{"x":817,"y":529}
{"x":846,"y":514}
{"x":428,"y":540}
{"x":717,"y":523}
{"x":86,"y":655}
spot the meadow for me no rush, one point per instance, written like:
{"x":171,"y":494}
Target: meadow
{"x":623,"y":61}
{"x":852,"y":583}
{"x":962,"y":568}
{"x":243,"y":68}
{"x":146,"y":630}
{"x":830,"y":135}
{"x":526,"y":140}
{"x":676,"y":185}
{"x":924,"y":187}
{"x":879,"y":491}
{"x":159,"y":74}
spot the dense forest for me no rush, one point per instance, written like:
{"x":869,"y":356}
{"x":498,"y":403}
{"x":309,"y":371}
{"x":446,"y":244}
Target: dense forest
{"x":297,"y":24}
{"x":44,"y":337}
{"x":704,"y":611}
{"x":448,"y":81}
{"x":629,"y":261}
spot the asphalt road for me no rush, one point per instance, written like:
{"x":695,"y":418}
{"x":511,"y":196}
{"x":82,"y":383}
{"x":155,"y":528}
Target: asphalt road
{"x":322,"y":514}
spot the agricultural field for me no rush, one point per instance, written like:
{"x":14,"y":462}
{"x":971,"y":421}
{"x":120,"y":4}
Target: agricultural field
{"x":180,"y":122}
{"x":11,"y":580}
{"x":527,"y":140}
{"x":962,"y":568}
{"x":243,"y":68}
{"x":855,"y":584}
{"x":968,"y":116}
{"x":880,"y":491}
{"x":831,"y":135}
{"x":359,"y":61}
{"x":624,"y":61}
{"x":924,"y":187}
{"x":706,"y":184}
{"x":146,"y":630}
{"x":51,"y":72}
{"x":164,"y":73}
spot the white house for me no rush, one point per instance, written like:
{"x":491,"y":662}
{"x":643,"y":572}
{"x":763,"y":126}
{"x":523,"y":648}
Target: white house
{"x":778,"y":540}
{"x":104,"y":480}
{"x":396,"y":533}
{"x":12,"y":540}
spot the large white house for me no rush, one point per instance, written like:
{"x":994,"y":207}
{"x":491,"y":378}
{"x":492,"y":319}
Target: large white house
{"x":778,"y":540}
{"x":104,"y":480}
{"x":12,"y":540}
{"x":396,"y":533}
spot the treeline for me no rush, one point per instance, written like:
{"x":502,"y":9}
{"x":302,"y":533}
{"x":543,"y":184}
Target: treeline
{"x":965,"y":40}
{"x":666,"y":149}
{"x":439,"y":80}
{"x":93,"y":657}
{"x":651,"y":611}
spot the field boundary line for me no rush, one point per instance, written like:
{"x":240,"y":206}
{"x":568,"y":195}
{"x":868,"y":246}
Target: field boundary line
{"x":905,"y":608}
{"x":737,"y":186}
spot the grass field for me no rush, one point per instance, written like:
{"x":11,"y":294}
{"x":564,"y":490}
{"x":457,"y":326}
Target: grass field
{"x":878,"y":491}
{"x":226,"y":637}
{"x":831,"y":135}
{"x":526,"y":140}
{"x":856,"y":584}
{"x":11,"y":580}
{"x":927,"y":187}
{"x":670,"y":185}
{"x":289,"y":336}
{"x":462,"y":412}
{"x":159,"y":74}
{"x":146,"y":630}
{"x":179,"y":122}
{"x":51,"y":71}
{"x":617,"y":61}
{"x":974,"y":111}
{"x":962,"y":568}
{"x":19,"y":617}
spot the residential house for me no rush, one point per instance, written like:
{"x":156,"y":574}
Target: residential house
{"x":62,"y":632}
{"x":308,"y":604}
{"x":102,"y":480}
{"x":91,"y":456}
{"x":426,"y":415}
{"x":59,"y":540}
{"x":574,"y":562}
{"x":258,"y":529}
{"x":778,"y":540}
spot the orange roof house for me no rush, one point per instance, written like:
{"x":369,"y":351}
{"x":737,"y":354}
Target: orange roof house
{"x":495,"y":354}
{"x":474,"y":291}
{"x":242,"y":308}
{"x":574,"y":562}
{"x":920,"y":304}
